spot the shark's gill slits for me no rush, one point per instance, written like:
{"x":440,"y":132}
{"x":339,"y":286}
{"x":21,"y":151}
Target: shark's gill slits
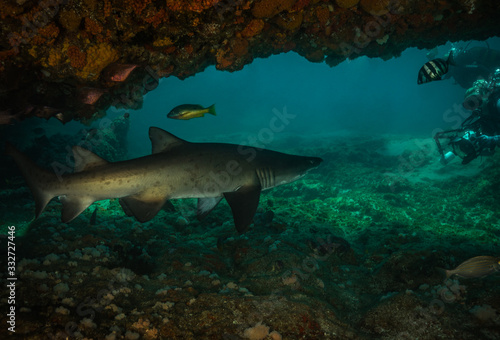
{"x":266,"y":177}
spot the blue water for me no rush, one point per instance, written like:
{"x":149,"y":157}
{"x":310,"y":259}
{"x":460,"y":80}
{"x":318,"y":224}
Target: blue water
{"x":362,"y":95}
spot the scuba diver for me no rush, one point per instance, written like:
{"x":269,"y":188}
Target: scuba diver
{"x":479,"y":134}
{"x":463,"y":64}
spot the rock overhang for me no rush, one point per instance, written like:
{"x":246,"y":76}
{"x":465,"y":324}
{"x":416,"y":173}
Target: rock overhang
{"x":73,"y":59}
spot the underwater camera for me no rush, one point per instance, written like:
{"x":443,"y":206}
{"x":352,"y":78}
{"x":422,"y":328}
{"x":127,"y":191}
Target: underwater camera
{"x":463,"y":143}
{"x":465,"y":147}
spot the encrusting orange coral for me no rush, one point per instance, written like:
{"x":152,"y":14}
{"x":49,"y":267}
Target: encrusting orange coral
{"x":240,"y":47}
{"x":190,"y":5}
{"x":269,"y":8}
{"x":154,"y":16}
{"x":69,"y":19}
{"x":253,"y":28}
{"x":137,"y":5}
{"x":98,"y":57}
{"x":347,"y":3}
{"x":375,"y":7}
{"x":291,"y":21}
{"x":92,"y":26}
{"x":77,"y":58}
{"x":46,"y":35}
{"x":323,"y":15}
{"x":299,"y":5}
{"x":107,"y":8}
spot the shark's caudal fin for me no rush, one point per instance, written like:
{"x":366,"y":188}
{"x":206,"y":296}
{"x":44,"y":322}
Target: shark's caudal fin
{"x":39,"y":180}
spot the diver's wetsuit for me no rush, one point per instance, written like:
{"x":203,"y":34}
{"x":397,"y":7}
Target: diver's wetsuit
{"x":490,"y":120}
{"x":472,"y":64}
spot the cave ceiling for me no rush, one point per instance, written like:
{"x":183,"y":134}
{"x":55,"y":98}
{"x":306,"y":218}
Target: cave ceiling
{"x":73,"y":59}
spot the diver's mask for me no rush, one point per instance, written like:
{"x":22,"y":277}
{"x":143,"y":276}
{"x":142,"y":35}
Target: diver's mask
{"x":466,"y":147}
{"x":473,"y":101}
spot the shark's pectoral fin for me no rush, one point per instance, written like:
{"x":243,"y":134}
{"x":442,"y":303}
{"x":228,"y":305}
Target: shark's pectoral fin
{"x":206,"y":205}
{"x":73,"y":206}
{"x":125,"y":208}
{"x":243,"y":203}
{"x":143,"y":206}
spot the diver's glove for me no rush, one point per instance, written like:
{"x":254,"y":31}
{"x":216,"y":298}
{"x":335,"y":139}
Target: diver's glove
{"x":488,"y":142}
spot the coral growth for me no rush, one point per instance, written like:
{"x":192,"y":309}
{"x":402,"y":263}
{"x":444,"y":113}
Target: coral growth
{"x":253,"y":28}
{"x":54,"y":58}
{"x":155,"y":17}
{"x":323,"y":15}
{"x":257,"y":332}
{"x":137,"y":5}
{"x":9,"y":10}
{"x":107,"y":8}
{"x":240,"y":47}
{"x":269,"y":8}
{"x":77,"y":58}
{"x":69,"y":19}
{"x":299,"y":5}
{"x":163,"y":42}
{"x":92,"y":26}
{"x":190,"y":5}
{"x":78,"y":39}
{"x":290,"y":21}
{"x":315,"y":56}
{"x":375,"y":7}
{"x":98,"y":57}
{"x":224,"y":59}
{"x":347,"y":3}
{"x":46,"y":35}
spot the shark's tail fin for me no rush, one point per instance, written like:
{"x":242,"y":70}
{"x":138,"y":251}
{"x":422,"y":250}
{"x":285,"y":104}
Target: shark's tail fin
{"x":38,"y":179}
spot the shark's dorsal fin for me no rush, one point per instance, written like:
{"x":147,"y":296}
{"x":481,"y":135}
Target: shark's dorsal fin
{"x":163,"y":141}
{"x":85,"y":159}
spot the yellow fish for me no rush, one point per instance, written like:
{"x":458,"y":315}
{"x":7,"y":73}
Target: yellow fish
{"x":188,"y":111}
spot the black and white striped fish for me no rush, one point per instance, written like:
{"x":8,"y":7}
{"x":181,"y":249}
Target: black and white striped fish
{"x":433,"y":70}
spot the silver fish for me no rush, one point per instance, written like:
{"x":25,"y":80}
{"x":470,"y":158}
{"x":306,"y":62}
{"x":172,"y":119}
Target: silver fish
{"x":479,"y":266}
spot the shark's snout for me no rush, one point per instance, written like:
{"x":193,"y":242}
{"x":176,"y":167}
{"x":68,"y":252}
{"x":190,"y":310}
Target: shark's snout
{"x":314,"y":162}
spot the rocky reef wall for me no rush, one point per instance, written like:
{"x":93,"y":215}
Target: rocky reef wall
{"x":73,"y":59}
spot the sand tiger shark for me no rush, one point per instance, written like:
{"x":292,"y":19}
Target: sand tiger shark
{"x":175,"y":169}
